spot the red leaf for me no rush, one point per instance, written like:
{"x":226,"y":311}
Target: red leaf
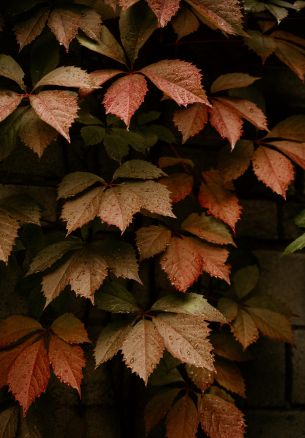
{"x":180,"y":80}
{"x":191,"y":121}
{"x":29,"y":374}
{"x":9,"y":100}
{"x":16,"y":327}
{"x":124,"y":96}
{"x":67,"y":362}
{"x":227,"y":121}
{"x":28,"y":30}
{"x":64,"y":24}
{"x":180,"y":185}
{"x":213,"y":260}
{"x":182,"y":420}
{"x":273,"y":169}
{"x":56,"y":108}
{"x":98,"y":78}
{"x":70,"y":329}
{"x":164,"y":9}
{"x":247,"y":110}
{"x":219,"y":201}
{"x":295,"y":151}
{"x":220,"y":418}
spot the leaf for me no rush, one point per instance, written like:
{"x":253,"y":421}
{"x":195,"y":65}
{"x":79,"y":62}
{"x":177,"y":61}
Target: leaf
{"x":152,"y":240}
{"x":220,"y":418}
{"x":10,"y":69}
{"x":292,"y":56}
{"x":70,"y":329}
{"x":124,"y":97}
{"x":9,"y":101}
{"x":271,"y":324}
{"x":263,"y":45}
{"x":67,"y":362}
{"x":179,"y":80}
{"x":51,"y":254}
{"x":207,"y":228}
{"x":55,"y":282}
{"x":98,"y":78}
{"x":226,"y":346}
{"x":232,"y":80}
{"x":191,"y":121}
{"x":201,"y":377}
{"x":229,"y":376}
{"x":185,"y":337}
{"x":180,"y":185}
{"x":92,"y":135}
{"x":244,"y":329}
{"x":29,"y":375}
{"x":9,"y":227}
{"x":293,"y":150}
{"x":110,"y":341}
{"x":143,"y":348}
{"x":56,"y":108}
{"x":185,"y":23}
{"x":182,"y":420}
{"x":188,"y":304}
{"x":115,"y":298}
{"x":158,"y":406}
{"x":221,"y":14}
{"x":137,"y":24}
{"x":164,"y":9}
{"x":228,"y":308}
{"x":213,"y":260}
{"x":77,"y":182}
{"x":273,"y":169}
{"x":9,"y":422}
{"x":245,"y":280}
{"x":91,"y":23}
{"x":64,"y":24}
{"x":174,"y":161}
{"x":291,"y":128}
{"x":106,"y":45}
{"x":296,"y":245}
{"x":66,"y":77}
{"x":8,"y":357}
{"x":35,"y":133}
{"x":138,"y":169}
{"x":219,"y":201}
{"x":233,"y":164}
{"x":28,"y":30}
{"x":227,"y":121}
{"x":16,"y":327}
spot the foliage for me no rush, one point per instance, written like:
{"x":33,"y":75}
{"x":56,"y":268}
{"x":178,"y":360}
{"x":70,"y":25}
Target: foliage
{"x":145,"y":230}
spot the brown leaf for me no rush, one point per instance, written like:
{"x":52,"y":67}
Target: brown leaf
{"x":57,"y":108}
{"x":271,"y":324}
{"x":67,"y":362}
{"x":16,"y":327}
{"x":91,"y":23}
{"x":273,"y":169}
{"x":295,"y":151}
{"x":138,"y":169}
{"x":29,"y":374}
{"x":70,"y":329}
{"x":182,"y":420}
{"x":122,"y":260}
{"x":228,"y":308}
{"x":77,"y":182}
{"x":191,"y":121}
{"x":233,"y":164}
{"x":244,"y":329}
{"x":292,"y":56}
{"x":10,"y":69}
{"x":35,"y":133}
{"x":201,"y":377}
{"x":229,"y":376}
{"x":213,"y":260}
{"x":232,"y":80}
{"x":180,"y":80}
{"x":110,"y":341}
{"x":64,"y":23}
{"x":164,"y":9}
{"x":9,"y":227}
{"x":98,"y":78}
{"x":185,"y":23}
{"x":226,"y":120}
{"x":28,"y":30}
{"x":185,"y":337}
{"x":220,"y":418}
{"x":56,"y":281}
{"x":207,"y":228}
{"x":180,"y":185}
{"x":9,"y":101}
{"x":292,"y":128}
{"x":219,"y":201}
{"x":8,"y":357}
{"x":263,"y":45}
{"x":158,"y":406}
{"x":155,"y":198}
{"x":174,"y":161}
{"x":247,"y":110}
{"x":124,"y":97}
{"x":143,"y":348}
{"x":66,"y":77}
{"x":152,"y":240}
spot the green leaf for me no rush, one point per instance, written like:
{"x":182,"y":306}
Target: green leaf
{"x":299,"y":220}
{"x":116,"y":146}
{"x":296,"y":245}
{"x":115,"y":298}
{"x":92,"y":135}
{"x":245,"y":280}
{"x":148,"y":117}
{"x":163,"y":133}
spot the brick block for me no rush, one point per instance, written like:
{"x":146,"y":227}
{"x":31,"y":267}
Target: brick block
{"x":283,"y":277}
{"x":298,"y":374}
{"x":276,"y":424}
{"x":265,"y":375}
{"x":259,"y":220}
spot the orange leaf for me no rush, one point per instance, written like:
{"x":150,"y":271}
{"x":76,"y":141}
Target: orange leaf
{"x":229,"y":376}
{"x":244,"y":329}
{"x":70,"y":329}
{"x":16,"y":327}
{"x":29,"y":375}
{"x":294,"y":150}
{"x":191,"y":121}
{"x":247,"y":110}
{"x":67,"y":362}
{"x":273,"y":169}
{"x":180,"y":185}
{"x":124,"y":97}
{"x":226,"y":120}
